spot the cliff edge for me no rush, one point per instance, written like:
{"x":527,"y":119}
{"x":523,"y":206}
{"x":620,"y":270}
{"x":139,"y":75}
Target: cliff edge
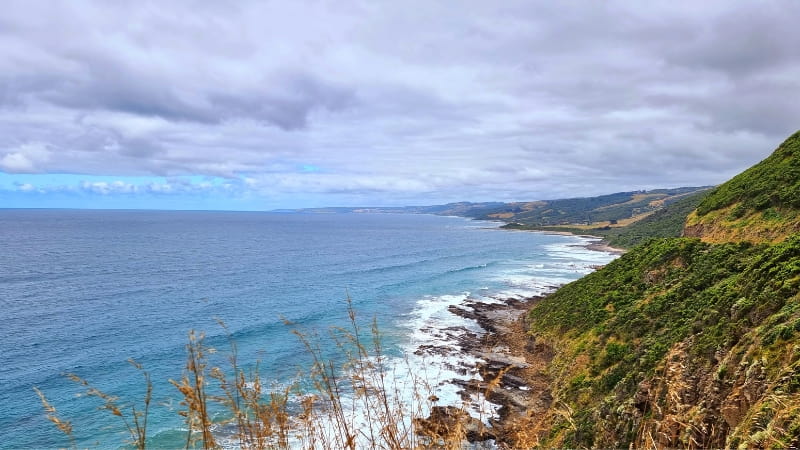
{"x":761,"y":204}
{"x":689,"y":342}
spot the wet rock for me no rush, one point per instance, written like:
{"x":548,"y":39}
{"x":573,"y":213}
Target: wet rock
{"x":448,"y":423}
{"x":503,"y":374}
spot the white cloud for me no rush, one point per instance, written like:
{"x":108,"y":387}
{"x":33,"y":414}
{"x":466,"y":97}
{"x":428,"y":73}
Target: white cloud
{"x":26,"y":187}
{"x":26,"y":158}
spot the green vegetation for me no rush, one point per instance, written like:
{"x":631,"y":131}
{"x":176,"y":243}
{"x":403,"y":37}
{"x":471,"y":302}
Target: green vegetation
{"x":573,"y":210}
{"x":666,"y":222}
{"x":708,"y":309}
{"x":565,"y":212}
{"x":772,"y":183}
{"x":762,"y":204}
{"x":686,"y":342}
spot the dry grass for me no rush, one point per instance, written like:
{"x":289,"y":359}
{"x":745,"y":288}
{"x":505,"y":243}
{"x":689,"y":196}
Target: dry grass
{"x":135,"y":420}
{"x":355,"y":404}
{"x":52,"y":415}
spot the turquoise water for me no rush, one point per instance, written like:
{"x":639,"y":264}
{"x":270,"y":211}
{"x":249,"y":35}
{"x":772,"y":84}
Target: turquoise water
{"x":83,"y":291}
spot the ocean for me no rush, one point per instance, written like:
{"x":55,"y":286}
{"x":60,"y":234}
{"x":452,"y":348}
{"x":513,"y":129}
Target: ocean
{"x":83,"y":291}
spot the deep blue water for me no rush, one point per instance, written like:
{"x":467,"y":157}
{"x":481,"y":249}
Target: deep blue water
{"x":83,"y":291}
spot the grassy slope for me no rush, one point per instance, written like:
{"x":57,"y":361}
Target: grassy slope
{"x":684,"y":343}
{"x":729,"y":313}
{"x":762,"y":204}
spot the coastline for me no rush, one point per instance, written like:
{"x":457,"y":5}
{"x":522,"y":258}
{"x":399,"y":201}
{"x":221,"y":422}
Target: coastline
{"x":600,"y":244}
{"x":509,"y":371}
{"x":512,"y":365}
{"x":511,"y":368}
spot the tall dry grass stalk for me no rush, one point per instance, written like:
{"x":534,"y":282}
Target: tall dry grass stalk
{"x":261,"y":419}
{"x":193,"y":387}
{"x":135,"y":420}
{"x":357,"y":403}
{"x":52,"y":415}
{"x":360,"y":401}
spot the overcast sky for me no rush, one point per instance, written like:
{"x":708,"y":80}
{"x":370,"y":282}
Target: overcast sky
{"x":261,"y":105}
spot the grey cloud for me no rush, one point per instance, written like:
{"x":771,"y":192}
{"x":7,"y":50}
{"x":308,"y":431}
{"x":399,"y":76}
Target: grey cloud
{"x":520,"y":100}
{"x":743,"y":41}
{"x":285,"y":101}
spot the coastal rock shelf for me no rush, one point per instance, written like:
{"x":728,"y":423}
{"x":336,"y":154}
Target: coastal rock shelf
{"x":510,"y":368}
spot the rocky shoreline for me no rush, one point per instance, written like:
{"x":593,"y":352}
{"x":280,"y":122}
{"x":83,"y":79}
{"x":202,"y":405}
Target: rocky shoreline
{"x":511,"y":371}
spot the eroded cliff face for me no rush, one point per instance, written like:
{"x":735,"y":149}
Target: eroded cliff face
{"x":769,"y":226}
{"x":735,"y":401}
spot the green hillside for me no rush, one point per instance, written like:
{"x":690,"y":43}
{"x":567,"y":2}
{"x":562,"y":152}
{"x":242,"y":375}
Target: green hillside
{"x":772,"y":183}
{"x":760,"y":205}
{"x":681,"y":342}
{"x":666,"y":222}
{"x":603,"y":209}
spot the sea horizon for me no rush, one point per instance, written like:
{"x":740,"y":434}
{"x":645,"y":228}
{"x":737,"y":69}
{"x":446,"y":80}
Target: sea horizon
{"x":87,"y":289}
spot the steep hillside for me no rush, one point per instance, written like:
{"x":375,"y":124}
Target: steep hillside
{"x":678,"y":343}
{"x":761,"y":204}
{"x":682,"y":342}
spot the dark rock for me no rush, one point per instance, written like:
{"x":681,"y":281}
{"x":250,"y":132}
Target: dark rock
{"x":448,"y":422}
